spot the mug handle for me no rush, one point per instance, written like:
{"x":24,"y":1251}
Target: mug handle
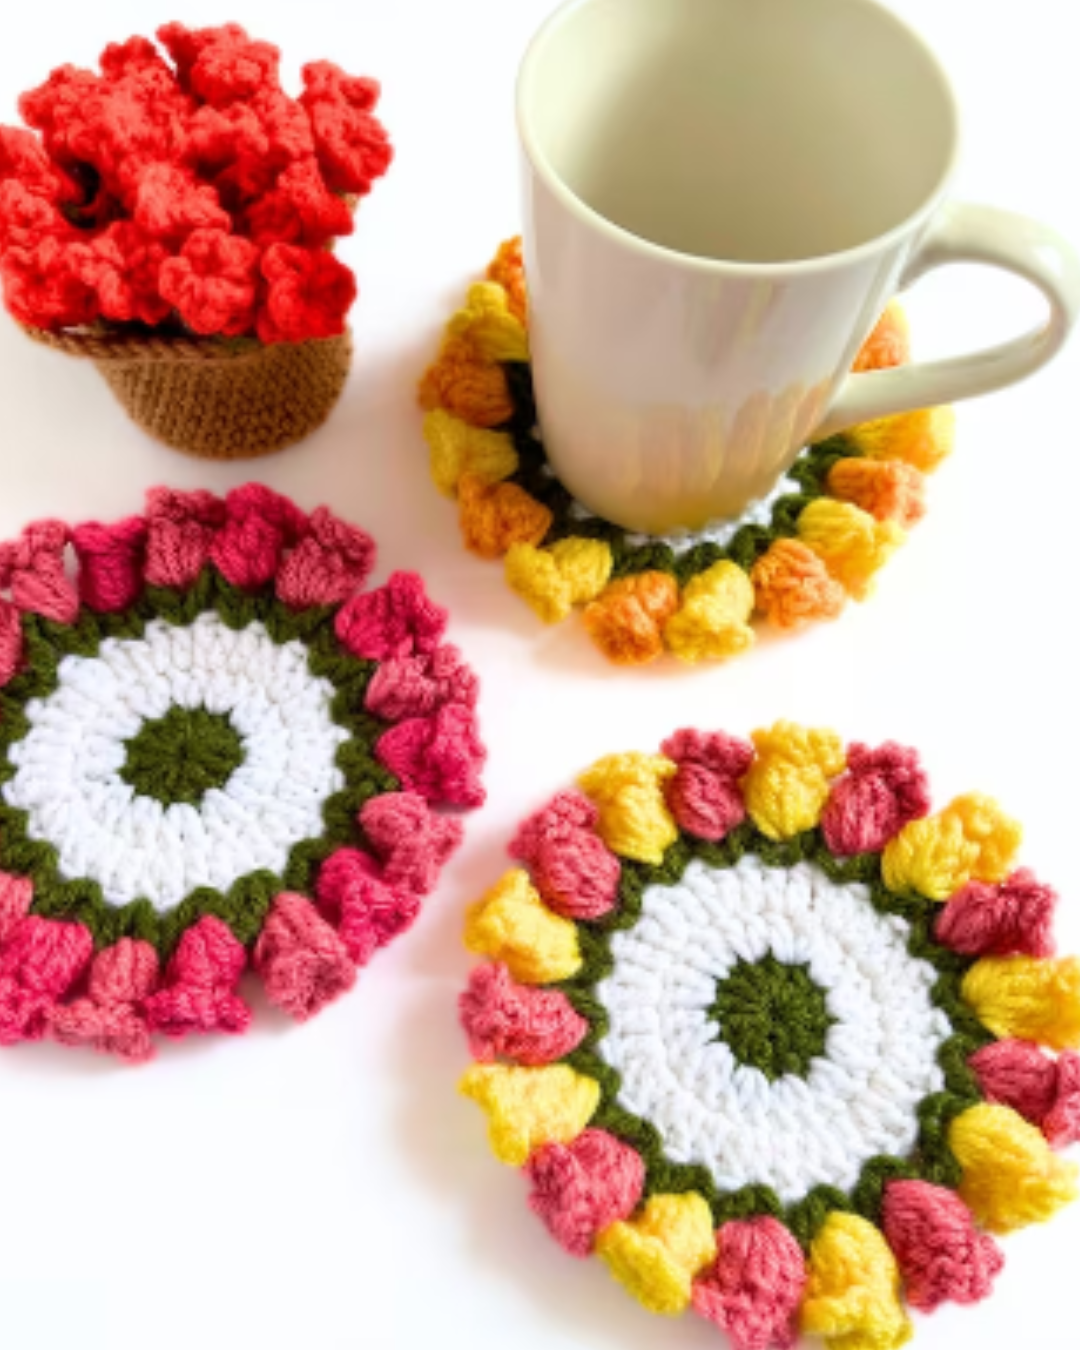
{"x":980,"y":234}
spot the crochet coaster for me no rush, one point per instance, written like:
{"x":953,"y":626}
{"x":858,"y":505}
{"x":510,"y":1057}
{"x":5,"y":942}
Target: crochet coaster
{"x":215,"y":749}
{"x":794,"y":558}
{"x":768,"y":1037}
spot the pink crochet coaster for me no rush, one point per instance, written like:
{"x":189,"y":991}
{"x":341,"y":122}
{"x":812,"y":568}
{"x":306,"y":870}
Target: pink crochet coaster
{"x":216,"y":750}
{"x":776,"y":1043}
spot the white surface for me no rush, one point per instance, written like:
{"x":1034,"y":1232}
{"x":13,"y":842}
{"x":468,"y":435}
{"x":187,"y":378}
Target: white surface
{"x":859,"y":1098}
{"x":322,"y":1186}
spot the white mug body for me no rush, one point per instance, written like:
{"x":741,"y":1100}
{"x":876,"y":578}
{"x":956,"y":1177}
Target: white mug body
{"x":720,"y":198}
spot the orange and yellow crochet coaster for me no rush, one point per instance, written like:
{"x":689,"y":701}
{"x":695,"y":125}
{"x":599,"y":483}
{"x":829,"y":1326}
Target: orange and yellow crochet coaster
{"x":794,"y":558}
{"x":771,"y":1039}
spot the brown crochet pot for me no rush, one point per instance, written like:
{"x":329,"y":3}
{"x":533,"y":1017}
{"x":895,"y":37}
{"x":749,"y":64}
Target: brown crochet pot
{"x":211,"y":399}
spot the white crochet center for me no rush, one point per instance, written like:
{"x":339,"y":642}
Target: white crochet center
{"x":68,"y":779}
{"x":858,"y":1100}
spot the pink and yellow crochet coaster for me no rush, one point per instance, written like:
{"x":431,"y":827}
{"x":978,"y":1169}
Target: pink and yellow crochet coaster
{"x":216,"y":750}
{"x":795,"y":557}
{"x":773,"y":1041}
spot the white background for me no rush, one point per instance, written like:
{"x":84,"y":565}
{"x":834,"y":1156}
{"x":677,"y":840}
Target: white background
{"x":323,"y":1186}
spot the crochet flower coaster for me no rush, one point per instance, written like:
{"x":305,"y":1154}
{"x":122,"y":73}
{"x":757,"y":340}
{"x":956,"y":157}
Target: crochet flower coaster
{"x":794,"y":558}
{"x":214,"y":749}
{"x":773,"y":1041}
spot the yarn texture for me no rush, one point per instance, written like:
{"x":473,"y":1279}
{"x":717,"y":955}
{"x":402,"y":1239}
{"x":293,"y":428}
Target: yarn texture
{"x":194,"y":777}
{"x":793,"y":559}
{"x":747,"y":1052}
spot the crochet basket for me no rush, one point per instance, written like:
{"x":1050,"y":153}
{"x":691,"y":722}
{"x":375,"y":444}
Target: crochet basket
{"x":211,"y":399}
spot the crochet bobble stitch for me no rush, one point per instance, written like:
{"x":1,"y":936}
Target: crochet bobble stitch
{"x":921,"y":1099}
{"x":792,"y":561}
{"x":217,"y":750}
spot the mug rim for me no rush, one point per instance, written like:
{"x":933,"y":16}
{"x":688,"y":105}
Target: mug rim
{"x":624,"y":238}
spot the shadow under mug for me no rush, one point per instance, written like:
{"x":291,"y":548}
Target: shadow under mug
{"x":720,"y":198}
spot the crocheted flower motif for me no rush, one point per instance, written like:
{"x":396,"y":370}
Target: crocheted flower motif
{"x":771,"y":1039}
{"x":198,"y":196}
{"x":206,"y":763}
{"x":793,"y":558}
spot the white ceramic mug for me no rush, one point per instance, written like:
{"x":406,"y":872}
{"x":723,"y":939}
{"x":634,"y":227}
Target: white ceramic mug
{"x":721,"y":196}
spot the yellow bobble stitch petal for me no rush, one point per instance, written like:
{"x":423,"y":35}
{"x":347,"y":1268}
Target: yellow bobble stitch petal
{"x":527,"y":1108}
{"x":713,"y":621}
{"x":851,"y":543}
{"x":488,"y":324}
{"x":1027,"y":998}
{"x":997,"y":835}
{"x":513,"y":925}
{"x":788,"y":784}
{"x":628,"y":790}
{"x":657,"y":1255}
{"x":972,"y":837}
{"x":585,"y":564}
{"x":552,"y":581}
{"x":1012,"y":1177}
{"x":457,"y":448}
{"x":922,"y":439}
{"x":853,"y":1291}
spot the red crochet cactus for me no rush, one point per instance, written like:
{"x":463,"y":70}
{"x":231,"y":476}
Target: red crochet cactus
{"x":196,"y":196}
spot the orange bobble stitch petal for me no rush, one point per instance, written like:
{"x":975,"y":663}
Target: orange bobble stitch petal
{"x":508,"y":269}
{"x":885,"y":489}
{"x":792,"y":586}
{"x":496,"y":516}
{"x":626,"y":621}
{"x":888,"y":345}
{"x":472,"y":389}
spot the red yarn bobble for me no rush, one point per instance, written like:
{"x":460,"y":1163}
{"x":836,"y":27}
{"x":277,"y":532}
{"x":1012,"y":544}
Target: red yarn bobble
{"x":572,"y":868}
{"x":110,"y":1018}
{"x":881,"y":792}
{"x":110,"y":563}
{"x":366,"y":911}
{"x":33,"y":567}
{"x":1012,"y":919}
{"x":704,"y":795}
{"x":39,"y":961}
{"x":503,"y":1019}
{"x":303,"y":963}
{"x":1043,"y":1090}
{"x":180,"y":530}
{"x":417,"y":686}
{"x":332,"y":561}
{"x":260,"y":524}
{"x":11,"y":642}
{"x":199,"y":991}
{"x":581,"y":1188}
{"x":395,"y":620}
{"x":439,"y":757}
{"x":941,"y":1254}
{"x":755,"y":1286}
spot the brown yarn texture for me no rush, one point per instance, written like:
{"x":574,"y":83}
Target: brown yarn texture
{"x":213,"y":401}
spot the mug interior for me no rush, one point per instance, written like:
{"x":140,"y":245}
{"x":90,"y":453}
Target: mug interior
{"x":740,"y":130}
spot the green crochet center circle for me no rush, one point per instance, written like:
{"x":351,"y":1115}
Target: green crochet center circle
{"x":178,"y":758}
{"x":772,"y":1016}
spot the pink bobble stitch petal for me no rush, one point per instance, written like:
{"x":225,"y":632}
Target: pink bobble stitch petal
{"x":1013,"y":919}
{"x":1044,"y":1090}
{"x":33,"y":567}
{"x":16,"y":895}
{"x":503,"y":1019}
{"x":942,"y":1256}
{"x":439,"y":757}
{"x":304,"y":964}
{"x":11,"y":641}
{"x":573,"y":869}
{"x":411,"y":841}
{"x":110,"y":563}
{"x":329,"y":564}
{"x":260,"y":525}
{"x":581,"y":1188}
{"x":199,"y":990}
{"x":366,"y":912}
{"x":754,"y":1288}
{"x":417,"y":686}
{"x":39,"y":962}
{"x":882,"y":791}
{"x":180,"y":530}
{"x":110,"y":1019}
{"x":397,"y":619}
{"x":704,"y":795}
